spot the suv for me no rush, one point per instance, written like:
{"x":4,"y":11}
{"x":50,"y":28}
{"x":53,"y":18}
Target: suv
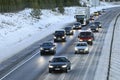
{"x":60,"y":35}
{"x":48,"y":47}
{"x":87,"y":36}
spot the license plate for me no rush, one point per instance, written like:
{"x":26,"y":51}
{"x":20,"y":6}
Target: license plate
{"x":46,"y":50}
{"x":57,"y":68}
{"x":81,"y":50}
{"x":59,"y":38}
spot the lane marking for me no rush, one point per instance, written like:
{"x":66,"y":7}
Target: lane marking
{"x":19,"y":66}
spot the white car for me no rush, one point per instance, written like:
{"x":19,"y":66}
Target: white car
{"x":81,"y":47}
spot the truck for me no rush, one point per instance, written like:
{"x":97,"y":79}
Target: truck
{"x":83,"y":15}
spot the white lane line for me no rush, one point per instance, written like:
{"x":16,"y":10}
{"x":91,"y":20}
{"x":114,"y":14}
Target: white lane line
{"x":18,"y":66}
{"x":92,"y":58}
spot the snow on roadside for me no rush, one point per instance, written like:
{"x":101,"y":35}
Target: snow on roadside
{"x":115,"y":59}
{"x":19,"y":30}
{"x":102,"y":68}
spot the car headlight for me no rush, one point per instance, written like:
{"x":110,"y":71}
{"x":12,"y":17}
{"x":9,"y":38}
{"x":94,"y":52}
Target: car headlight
{"x":97,"y":29}
{"x":63,"y":37}
{"x":50,"y":66}
{"x":52,"y":48}
{"x":64,"y":66}
{"x":41,"y":48}
{"x":86,"y":49}
{"x":100,"y":25}
{"x":76,"y":49}
{"x":90,"y":40}
{"x":81,"y":40}
{"x":71,"y":31}
{"x":54,"y":37}
{"x":73,"y":25}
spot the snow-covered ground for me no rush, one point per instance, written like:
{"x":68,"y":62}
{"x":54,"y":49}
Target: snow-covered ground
{"x":19,"y":30}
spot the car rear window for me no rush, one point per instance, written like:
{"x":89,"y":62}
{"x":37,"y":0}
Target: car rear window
{"x":85,"y":34}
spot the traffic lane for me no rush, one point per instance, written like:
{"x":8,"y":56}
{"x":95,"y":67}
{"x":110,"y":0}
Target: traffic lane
{"x":78,"y":61}
{"x":93,"y":68}
{"x":31,"y":68}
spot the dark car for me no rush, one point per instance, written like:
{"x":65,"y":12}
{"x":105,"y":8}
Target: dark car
{"x":60,"y":63}
{"x":99,"y":12}
{"x":77,"y":25}
{"x":98,"y":24}
{"x":86,"y":36}
{"x":91,"y":17}
{"x":94,"y":27}
{"x":103,"y":10}
{"x":60,"y":35}
{"x":48,"y":48}
{"x":69,"y":30}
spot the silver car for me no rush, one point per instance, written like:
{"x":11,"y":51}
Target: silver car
{"x":81,"y":47}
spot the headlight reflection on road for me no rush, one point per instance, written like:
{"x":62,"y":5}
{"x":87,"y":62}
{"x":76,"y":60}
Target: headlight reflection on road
{"x":41,"y":60}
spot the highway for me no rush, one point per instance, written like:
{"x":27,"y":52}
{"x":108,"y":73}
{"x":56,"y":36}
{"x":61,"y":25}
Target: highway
{"x":35,"y":66}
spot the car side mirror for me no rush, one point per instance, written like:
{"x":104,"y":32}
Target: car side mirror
{"x":49,"y":61}
{"x":74,"y":16}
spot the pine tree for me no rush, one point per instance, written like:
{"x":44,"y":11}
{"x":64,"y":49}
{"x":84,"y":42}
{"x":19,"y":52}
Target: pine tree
{"x":61,"y":7}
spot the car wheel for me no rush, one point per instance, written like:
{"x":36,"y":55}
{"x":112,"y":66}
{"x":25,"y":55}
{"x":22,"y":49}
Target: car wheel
{"x":41,"y":53}
{"x":54,"y":40}
{"x":75,"y":52}
{"x":69,"y":67}
{"x":66,"y":70}
{"x":50,"y":71}
{"x":91,"y":43}
{"x":87,"y":52}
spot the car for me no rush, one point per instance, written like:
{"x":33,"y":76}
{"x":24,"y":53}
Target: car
{"x":99,"y":12}
{"x":59,"y":63}
{"x":77,"y":25}
{"x":94,"y":27}
{"x":91,"y":17}
{"x":69,"y":30}
{"x":86,"y":36}
{"x":81,"y":47}
{"x":47,"y":48}
{"x":60,"y":35}
{"x":98,"y":24}
{"x":96,"y":13}
{"x":103,"y":10}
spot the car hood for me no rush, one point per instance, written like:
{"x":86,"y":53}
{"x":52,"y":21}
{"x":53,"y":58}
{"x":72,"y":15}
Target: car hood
{"x":47,"y":46}
{"x":58,"y":63}
{"x":81,"y":47}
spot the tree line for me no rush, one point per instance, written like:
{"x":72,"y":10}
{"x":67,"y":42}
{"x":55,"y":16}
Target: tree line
{"x":17,"y":5}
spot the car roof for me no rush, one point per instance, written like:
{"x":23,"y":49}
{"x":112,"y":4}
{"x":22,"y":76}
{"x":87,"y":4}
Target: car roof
{"x":60,"y":30}
{"x":88,"y":30}
{"x":81,"y":42}
{"x":59,"y":56}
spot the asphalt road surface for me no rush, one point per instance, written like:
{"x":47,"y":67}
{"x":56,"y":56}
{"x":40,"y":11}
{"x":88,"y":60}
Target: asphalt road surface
{"x":35,"y":66}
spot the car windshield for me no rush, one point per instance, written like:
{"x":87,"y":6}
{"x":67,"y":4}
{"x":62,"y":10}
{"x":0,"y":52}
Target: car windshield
{"x":59,"y":33}
{"x":62,"y":59}
{"x":81,"y":44}
{"x":68,"y":28}
{"x":85,"y":34}
{"x":80,"y":16}
{"x":97,"y":23}
{"x":47,"y":44}
{"x":77,"y":24}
